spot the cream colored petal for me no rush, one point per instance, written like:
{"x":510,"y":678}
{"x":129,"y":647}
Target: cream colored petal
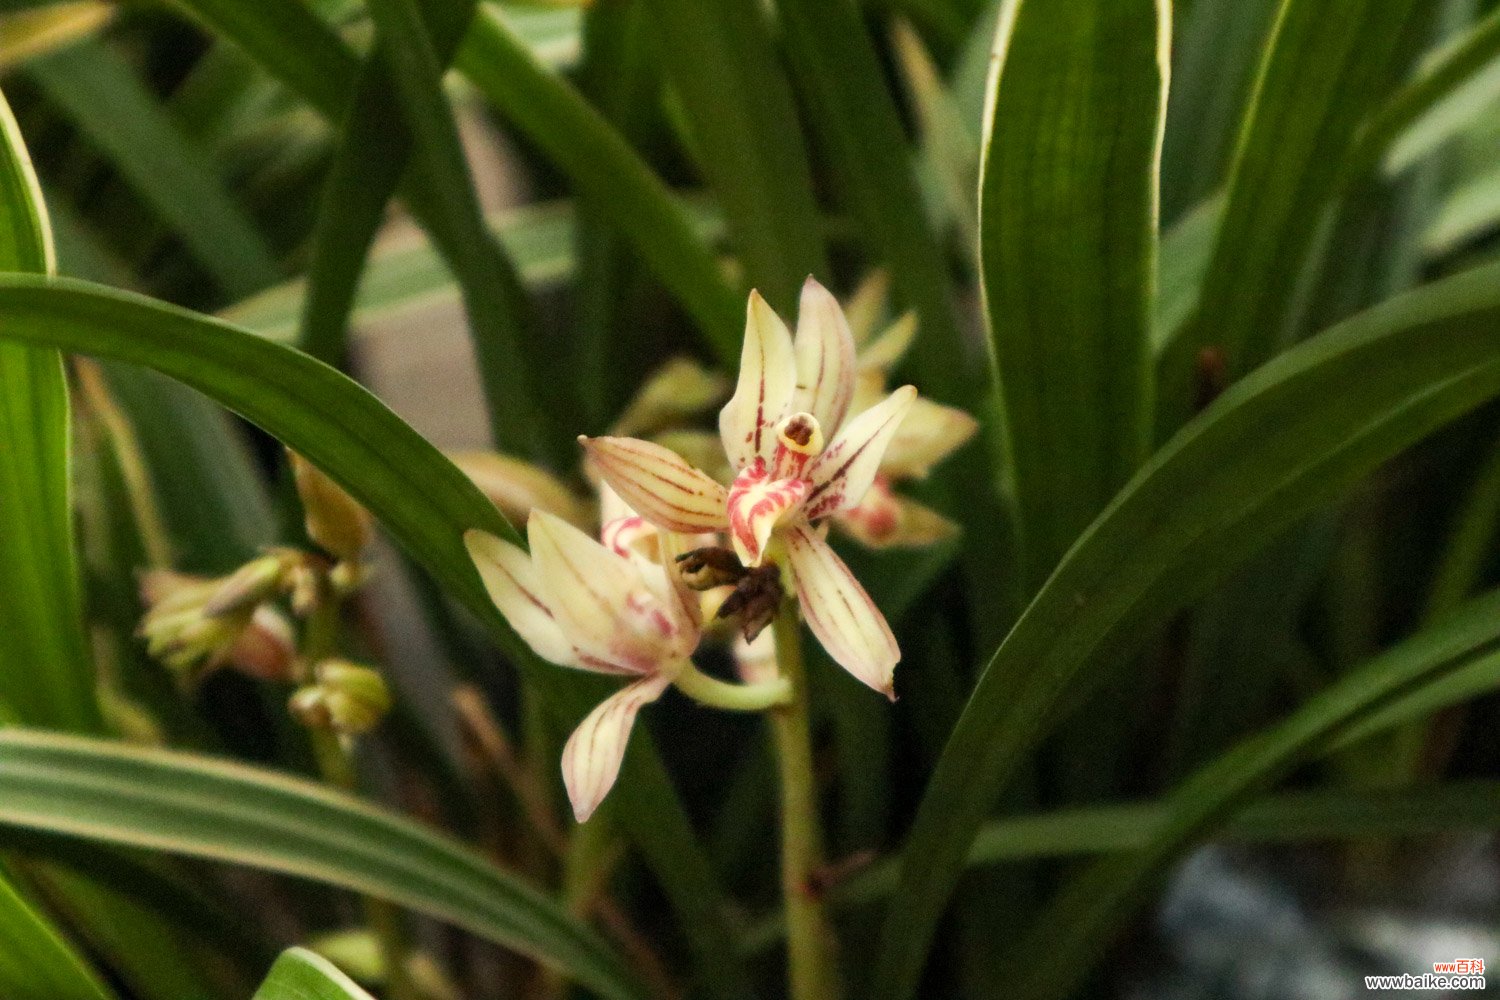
{"x":867,"y":305}
{"x":593,"y":754}
{"x":882,"y":354}
{"x":885,"y":520}
{"x":757,"y":504}
{"x":511,"y":579}
{"x":516,"y":487}
{"x":840,"y":612}
{"x":846,"y":468}
{"x":763,"y":394}
{"x":825,"y":357}
{"x":930,"y":433}
{"x":600,"y":600}
{"x":658,"y":484}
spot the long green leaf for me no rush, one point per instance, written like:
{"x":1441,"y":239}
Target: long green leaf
{"x":35,"y":962}
{"x":603,"y":167}
{"x":47,"y":677}
{"x":1067,"y":247}
{"x":102,"y":95}
{"x":1326,"y":66}
{"x":1085,"y":914}
{"x":411,"y":274}
{"x":359,"y":442}
{"x":1449,"y":90}
{"x":855,"y":117}
{"x":720,"y":60}
{"x":1333,"y":814}
{"x":200,"y":807}
{"x":494,"y":298}
{"x":301,"y":975}
{"x":1288,"y":438}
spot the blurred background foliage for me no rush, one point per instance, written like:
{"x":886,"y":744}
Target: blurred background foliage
{"x":503,"y":218}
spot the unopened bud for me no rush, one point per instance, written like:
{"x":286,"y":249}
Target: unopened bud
{"x":335,"y":520}
{"x":259,"y":580}
{"x":678,"y":390}
{"x":265,"y":650}
{"x":518,"y":487}
{"x":345,"y":698}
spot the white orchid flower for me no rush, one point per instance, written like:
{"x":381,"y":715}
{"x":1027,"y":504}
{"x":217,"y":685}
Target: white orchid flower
{"x":579,"y":604}
{"x":619,"y":609}
{"x":798,"y":460}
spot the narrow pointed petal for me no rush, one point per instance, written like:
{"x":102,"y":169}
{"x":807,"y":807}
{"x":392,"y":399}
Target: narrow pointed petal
{"x":890,"y":347}
{"x":600,"y":601}
{"x":885,"y":520}
{"x":930,"y":433}
{"x":513,"y":584}
{"x":757,"y":503}
{"x":591,"y":759}
{"x":840,"y":612}
{"x":846,"y":468}
{"x":659,"y":484}
{"x":763,"y":394}
{"x":867,"y":305}
{"x":825,"y":357}
{"x":516,"y":487}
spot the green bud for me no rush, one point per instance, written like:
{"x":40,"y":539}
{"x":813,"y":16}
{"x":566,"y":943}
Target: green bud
{"x":335,"y":520}
{"x":345,"y":698}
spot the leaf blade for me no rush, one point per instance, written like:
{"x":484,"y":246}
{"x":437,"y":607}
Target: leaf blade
{"x":196,"y":806}
{"x":1068,"y":217}
{"x":1282,"y":441}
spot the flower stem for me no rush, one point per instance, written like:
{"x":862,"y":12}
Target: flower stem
{"x":336,"y":765}
{"x":810,"y":960}
{"x":735,"y":697}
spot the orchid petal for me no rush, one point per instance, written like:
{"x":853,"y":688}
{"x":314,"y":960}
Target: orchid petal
{"x":884,"y":520}
{"x":514,"y":585}
{"x":840,"y":612}
{"x":825,"y":357}
{"x":591,"y":759}
{"x":846,"y":468}
{"x":516,"y":486}
{"x":867,"y":305}
{"x":763,"y":394}
{"x":930,"y":433}
{"x":885,"y":350}
{"x":757,"y":503}
{"x":659,"y":484}
{"x":601,"y":601}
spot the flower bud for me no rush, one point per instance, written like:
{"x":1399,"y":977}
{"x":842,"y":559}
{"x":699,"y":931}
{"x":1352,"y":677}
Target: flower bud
{"x":345,"y":698}
{"x":518,"y":487}
{"x":678,"y":390}
{"x":265,"y":650}
{"x":335,"y":520}
{"x":259,"y":580}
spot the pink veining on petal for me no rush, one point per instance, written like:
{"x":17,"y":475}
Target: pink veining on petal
{"x":757,"y":503}
{"x":622,"y":534}
{"x":845,"y":469}
{"x":591,"y":759}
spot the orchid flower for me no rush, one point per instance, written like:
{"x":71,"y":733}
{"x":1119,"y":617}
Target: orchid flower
{"x":798,"y":460}
{"x":618,"y":609}
{"x":580,"y":604}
